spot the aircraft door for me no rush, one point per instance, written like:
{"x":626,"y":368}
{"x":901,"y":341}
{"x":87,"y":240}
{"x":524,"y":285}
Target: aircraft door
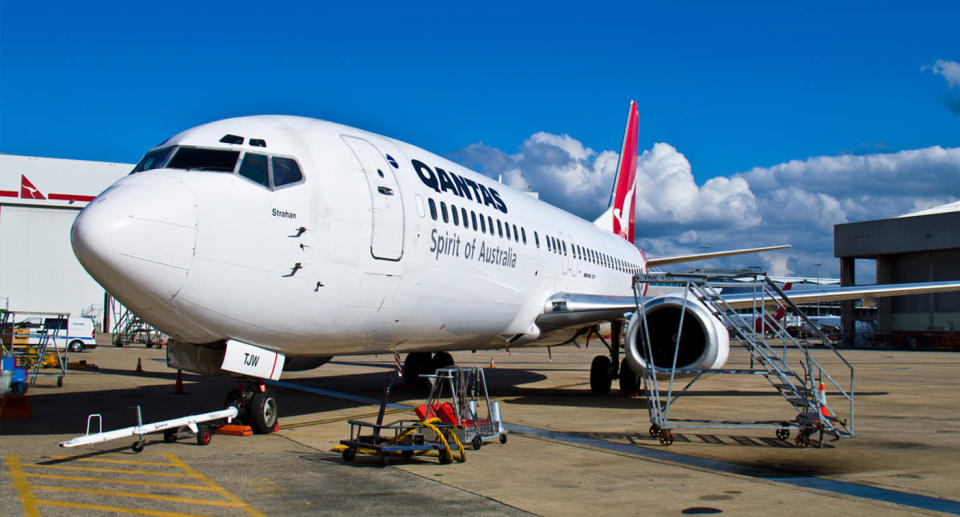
{"x":386,"y":238}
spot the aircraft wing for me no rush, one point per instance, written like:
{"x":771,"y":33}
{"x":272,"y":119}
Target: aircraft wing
{"x":564,"y":310}
{"x":654,"y":262}
{"x":855,"y":292}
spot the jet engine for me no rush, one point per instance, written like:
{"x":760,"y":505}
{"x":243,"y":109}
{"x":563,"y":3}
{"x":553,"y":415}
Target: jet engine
{"x":703,"y":339}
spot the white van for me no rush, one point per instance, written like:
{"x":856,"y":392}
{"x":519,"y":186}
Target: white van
{"x":78,"y":334}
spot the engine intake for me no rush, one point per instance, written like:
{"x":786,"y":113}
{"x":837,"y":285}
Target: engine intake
{"x":704,"y":342}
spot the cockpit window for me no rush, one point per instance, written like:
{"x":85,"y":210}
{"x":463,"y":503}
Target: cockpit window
{"x":270,"y":171}
{"x":254,"y":168}
{"x":153,"y":159}
{"x":285,"y":171}
{"x":192,"y":158}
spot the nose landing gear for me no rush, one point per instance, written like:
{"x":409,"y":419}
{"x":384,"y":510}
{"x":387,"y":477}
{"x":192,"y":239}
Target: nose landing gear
{"x":256,"y":404}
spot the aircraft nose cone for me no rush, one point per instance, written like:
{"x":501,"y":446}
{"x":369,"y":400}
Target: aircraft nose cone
{"x":138,"y":238}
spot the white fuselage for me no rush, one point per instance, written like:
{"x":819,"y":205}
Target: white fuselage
{"x":349,"y":260}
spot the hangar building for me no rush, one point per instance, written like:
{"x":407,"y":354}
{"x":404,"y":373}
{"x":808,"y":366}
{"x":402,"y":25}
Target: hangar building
{"x":921,"y":246}
{"x":39,"y":199}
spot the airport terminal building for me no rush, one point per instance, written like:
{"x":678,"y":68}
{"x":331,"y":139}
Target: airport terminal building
{"x":922,"y":246}
{"x":39,"y":199}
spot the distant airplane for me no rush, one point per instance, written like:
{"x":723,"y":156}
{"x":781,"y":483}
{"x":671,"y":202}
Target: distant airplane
{"x":268,"y":243}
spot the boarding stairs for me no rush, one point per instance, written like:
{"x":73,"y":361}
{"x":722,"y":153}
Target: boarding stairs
{"x":783,"y":360}
{"x":128,"y":328}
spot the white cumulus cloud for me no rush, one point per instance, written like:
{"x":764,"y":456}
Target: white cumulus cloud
{"x":950,"y":70}
{"x":796,"y":202}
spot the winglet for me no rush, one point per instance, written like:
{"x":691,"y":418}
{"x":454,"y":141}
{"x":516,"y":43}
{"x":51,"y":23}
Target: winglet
{"x":619,"y":215}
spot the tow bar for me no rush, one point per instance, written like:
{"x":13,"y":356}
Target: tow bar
{"x":170,"y":429}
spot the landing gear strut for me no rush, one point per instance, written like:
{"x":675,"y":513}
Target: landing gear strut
{"x":257,"y":406}
{"x":604,"y":369}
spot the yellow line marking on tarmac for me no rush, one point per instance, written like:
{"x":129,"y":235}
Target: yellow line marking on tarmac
{"x":107,"y":460}
{"x":114,"y":509}
{"x":118,"y":471}
{"x":20,"y":482}
{"x":120,"y":481}
{"x":138,"y":495}
{"x":214,"y":486}
{"x":339,"y":419}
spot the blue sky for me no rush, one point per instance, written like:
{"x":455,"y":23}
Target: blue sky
{"x":730,"y":87}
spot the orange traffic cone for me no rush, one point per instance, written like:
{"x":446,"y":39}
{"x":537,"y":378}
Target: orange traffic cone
{"x":139,"y":366}
{"x":178,"y":389}
{"x":492,"y":364}
{"x":822,"y":399}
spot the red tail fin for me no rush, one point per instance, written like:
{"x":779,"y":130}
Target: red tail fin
{"x":619,"y":216}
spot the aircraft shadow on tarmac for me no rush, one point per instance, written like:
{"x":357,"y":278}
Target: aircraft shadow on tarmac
{"x":56,"y":411}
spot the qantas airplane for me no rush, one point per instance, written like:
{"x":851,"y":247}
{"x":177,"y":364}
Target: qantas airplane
{"x":267,"y":243}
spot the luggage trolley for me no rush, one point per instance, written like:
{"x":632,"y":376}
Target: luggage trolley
{"x":469,"y":407}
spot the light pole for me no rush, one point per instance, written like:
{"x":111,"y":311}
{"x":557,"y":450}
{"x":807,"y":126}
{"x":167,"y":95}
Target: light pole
{"x":818,"y":287}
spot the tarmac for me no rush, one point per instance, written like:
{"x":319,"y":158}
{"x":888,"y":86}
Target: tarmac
{"x":568,"y":453}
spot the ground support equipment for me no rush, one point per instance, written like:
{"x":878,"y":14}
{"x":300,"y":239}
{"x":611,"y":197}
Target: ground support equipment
{"x":468,"y":407}
{"x":406,"y":438}
{"x":130,"y":329}
{"x":199,"y":425}
{"x":36,"y":349}
{"x":774,"y":354}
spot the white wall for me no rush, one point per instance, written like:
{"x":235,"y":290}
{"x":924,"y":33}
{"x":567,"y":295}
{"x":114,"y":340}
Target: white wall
{"x":38,"y":271}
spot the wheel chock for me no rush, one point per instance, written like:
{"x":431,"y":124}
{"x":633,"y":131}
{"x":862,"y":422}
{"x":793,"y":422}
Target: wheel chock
{"x":235,"y":430}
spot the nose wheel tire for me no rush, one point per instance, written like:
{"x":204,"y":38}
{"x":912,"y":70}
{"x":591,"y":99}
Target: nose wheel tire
{"x":263,"y":412}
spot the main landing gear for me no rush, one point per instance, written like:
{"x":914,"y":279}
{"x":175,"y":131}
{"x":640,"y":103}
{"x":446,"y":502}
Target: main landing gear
{"x":604,"y":368}
{"x":418,"y":363}
{"x":256,"y":404}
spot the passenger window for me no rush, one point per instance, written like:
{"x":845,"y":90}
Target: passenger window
{"x":433,"y":208}
{"x":483,"y":224}
{"x":285,"y":171}
{"x":536,"y":238}
{"x":516,"y":236}
{"x":254,"y":168}
{"x":473,"y":219}
{"x":499,"y":227}
{"x":564,"y":243}
{"x":443,"y":211}
{"x":507,"y":225}
{"x":523,"y":232}
{"x":490,"y":224}
{"x":549,"y":244}
{"x":456,"y":216}
{"x":463,"y":215}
